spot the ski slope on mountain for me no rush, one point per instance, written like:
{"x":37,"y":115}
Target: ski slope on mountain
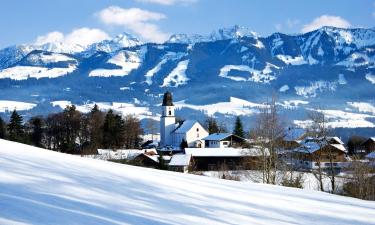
{"x":43,"y":187}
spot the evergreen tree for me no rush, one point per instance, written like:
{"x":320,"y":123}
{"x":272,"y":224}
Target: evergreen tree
{"x":183,"y":144}
{"x":95,"y":130}
{"x":71,"y":125}
{"x":238,"y":128}
{"x":36,"y":131}
{"x":15,"y":127}
{"x":113,"y":131}
{"x":2,"y":128}
{"x":211,"y":125}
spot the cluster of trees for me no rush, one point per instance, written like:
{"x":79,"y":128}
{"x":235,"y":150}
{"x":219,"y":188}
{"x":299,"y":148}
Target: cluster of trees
{"x":73,"y":132}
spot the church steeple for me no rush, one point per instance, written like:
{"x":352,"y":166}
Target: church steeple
{"x":167,"y":119}
{"x":167,"y":99}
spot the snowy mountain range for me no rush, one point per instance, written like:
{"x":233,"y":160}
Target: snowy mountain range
{"x":330,"y":68}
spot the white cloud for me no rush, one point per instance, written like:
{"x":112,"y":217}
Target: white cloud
{"x":52,"y":37}
{"x":81,"y":36}
{"x":137,"y":20}
{"x":326,"y":20}
{"x":169,"y":2}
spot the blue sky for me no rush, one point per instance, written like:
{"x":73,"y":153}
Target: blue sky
{"x":29,"y":21}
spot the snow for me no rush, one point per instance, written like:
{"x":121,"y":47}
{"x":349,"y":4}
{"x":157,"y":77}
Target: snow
{"x":363,"y":107}
{"x":315,"y":87}
{"x":295,"y":61}
{"x":243,"y":49}
{"x":284,"y":88}
{"x":178,"y":75}
{"x":44,"y":187}
{"x":223,"y":152}
{"x":6,"y":105}
{"x":180,"y":160}
{"x":356,"y":60}
{"x":25,"y":72}
{"x":259,"y":44}
{"x":126,"y":60}
{"x":235,"y":106}
{"x":371,"y":155}
{"x":341,"y":119}
{"x":292,"y":104}
{"x":185,"y":126}
{"x":45,"y":58}
{"x":120,"y":107}
{"x":263,"y":76}
{"x":370,"y":78}
{"x":169,"y":56}
{"x":342,"y":79}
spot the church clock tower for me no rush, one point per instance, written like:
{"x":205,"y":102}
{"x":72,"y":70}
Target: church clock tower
{"x":167,"y":120}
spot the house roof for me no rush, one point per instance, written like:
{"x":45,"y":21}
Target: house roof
{"x":339,"y":147}
{"x":337,"y":139}
{"x":311,"y":147}
{"x":293,"y":134}
{"x":223,"y":152}
{"x":185,"y":126}
{"x":369,"y":139}
{"x":371,"y":155}
{"x":217,"y":136}
{"x":180,"y":160}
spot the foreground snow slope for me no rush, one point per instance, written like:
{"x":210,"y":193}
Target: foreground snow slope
{"x":43,"y":187}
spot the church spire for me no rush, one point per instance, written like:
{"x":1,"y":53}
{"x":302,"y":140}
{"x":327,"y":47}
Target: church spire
{"x":167,"y":99}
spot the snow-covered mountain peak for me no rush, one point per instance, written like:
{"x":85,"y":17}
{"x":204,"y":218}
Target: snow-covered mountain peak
{"x":126,"y":40}
{"x":234,"y":32}
{"x":187,"y":38}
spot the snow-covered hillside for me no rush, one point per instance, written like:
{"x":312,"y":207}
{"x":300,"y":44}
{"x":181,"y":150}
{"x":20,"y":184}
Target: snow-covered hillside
{"x":43,"y":187}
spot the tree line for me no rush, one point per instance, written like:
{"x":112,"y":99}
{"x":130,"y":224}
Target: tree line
{"x":73,"y":132}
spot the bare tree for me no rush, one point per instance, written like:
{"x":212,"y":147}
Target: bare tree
{"x":269,"y":130}
{"x":361,"y":182}
{"x":320,"y":131}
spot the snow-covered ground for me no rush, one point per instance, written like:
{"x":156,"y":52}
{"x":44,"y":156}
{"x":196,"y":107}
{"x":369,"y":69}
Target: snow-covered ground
{"x":120,"y":107}
{"x":25,"y":72}
{"x":43,"y":187}
{"x":6,"y":105}
{"x":235,"y":106}
{"x":178,"y":75}
{"x":264,"y":76}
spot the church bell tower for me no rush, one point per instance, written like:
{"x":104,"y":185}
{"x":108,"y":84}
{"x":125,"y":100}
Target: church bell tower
{"x":167,"y":120}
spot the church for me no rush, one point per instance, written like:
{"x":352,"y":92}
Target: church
{"x":172,"y":133}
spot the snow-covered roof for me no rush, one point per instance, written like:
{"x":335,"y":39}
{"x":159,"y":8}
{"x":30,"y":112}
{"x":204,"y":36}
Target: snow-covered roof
{"x":371,"y":155}
{"x":339,"y":147}
{"x":217,"y":136}
{"x":223,"y":152}
{"x":185,"y":126}
{"x":337,"y":139}
{"x":311,"y":147}
{"x":180,"y":160}
{"x":293,"y":134}
{"x":106,"y":154}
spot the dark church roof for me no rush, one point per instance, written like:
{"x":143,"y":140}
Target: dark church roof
{"x":167,"y":99}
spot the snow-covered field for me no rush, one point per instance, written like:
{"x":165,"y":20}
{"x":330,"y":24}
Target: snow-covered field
{"x":44,"y":187}
{"x":6,"y":105}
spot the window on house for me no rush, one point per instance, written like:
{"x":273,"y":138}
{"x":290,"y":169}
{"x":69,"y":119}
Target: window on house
{"x":170,"y":112}
{"x":197,"y":129}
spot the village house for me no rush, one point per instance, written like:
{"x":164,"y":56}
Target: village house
{"x":368,"y":145}
{"x":315,"y":152}
{"x":223,"y":140}
{"x":172,"y":133}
